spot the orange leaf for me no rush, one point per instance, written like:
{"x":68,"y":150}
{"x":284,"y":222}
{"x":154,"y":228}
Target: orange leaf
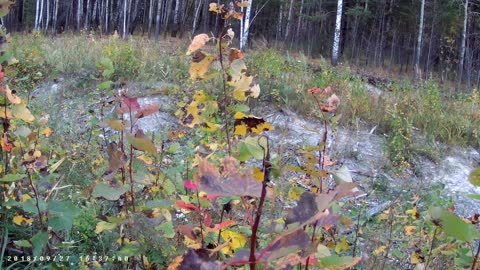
{"x":197,"y":43}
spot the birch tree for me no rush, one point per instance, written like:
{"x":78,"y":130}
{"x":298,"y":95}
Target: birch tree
{"x":336,"y":37}
{"x":150,"y":17}
{"x":419,"y":41}
{"x":461,"y":56}
{"x":157,"y":21}
{"x":246,"y":26}
{"x":289,"y":20}
{"x":37,"y":11}
{"x":195,"y":18}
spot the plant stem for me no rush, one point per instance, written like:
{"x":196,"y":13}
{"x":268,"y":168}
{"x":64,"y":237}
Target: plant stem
{"x":200,"y":217}
{"x":357,"y":229}
{"x":475,"y":258}
{"x":266,"y":177}
{"x":431,"y":247}
{"x":225,"y":94}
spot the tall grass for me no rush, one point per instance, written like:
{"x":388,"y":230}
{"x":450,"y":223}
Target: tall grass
{"x":284,"y":80}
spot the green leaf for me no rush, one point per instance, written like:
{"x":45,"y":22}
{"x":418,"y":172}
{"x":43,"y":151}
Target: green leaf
{"x":453,"y":225}
{"x":143,"y":144}
{"x":474,"y":196}
{"x":335,"y":260}
{"x":39,"y":241}
{"x":167,"y":229}
{"x":22,"y":243}
{"x":62,"y":214}
{"x":249,"y":148}
{"x":31,"y":207}
{"x":108,"y":192}
{"x":342,"y":175}
{"x":174,"y":147}
{"x":474,"y":177}
{"x":20,"y":111}
{"x":105,"y":85}
{"x":159,"y":204}
{"x":130,"y":250}
{"x":12,"y":177}
{"x":22,"y":131}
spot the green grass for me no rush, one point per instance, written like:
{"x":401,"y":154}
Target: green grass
{"x":284,"y":79}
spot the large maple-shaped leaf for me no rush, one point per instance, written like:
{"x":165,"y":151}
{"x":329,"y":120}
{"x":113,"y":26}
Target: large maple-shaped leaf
{"x":199,"y":259}
{"x":243,"y":83}
{"x":116,"y":160}
{"x":230,"y":181}
{"x":286,"y":244}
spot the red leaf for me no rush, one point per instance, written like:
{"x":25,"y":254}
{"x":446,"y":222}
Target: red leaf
{"x":186,"y":206}
{"x":314,"y":90}
{"x":327,"y":90}
{"x":129,"y":104}
{"x":189,"y":184}
{"x":147,"y":110}
{"x":221,"y":226}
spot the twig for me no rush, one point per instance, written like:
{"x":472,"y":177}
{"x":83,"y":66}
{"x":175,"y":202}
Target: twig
{"x":475,"y":259}
{"x":431,"y":247}
{"x":224,"y":81}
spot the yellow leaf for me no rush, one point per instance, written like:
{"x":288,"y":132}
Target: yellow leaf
{"x":409,"y":230}
{"x":239,"y":115}
{"x":104,"y":226}
{"x":146,"y":159}
{"x":243,"y":4}
{"x":5,"y":115}
{"x":12,"y":97}
{"x":342,"y":246}
{"x":143,"y":144}
{"x":262,"y":127}
{"x":415,"y":258}
{"x":210,"y":127}
{"x":215,"y":8}
{"x":295,"y":193}
{"x":116,"y":124}
{"x":240,"y":130}
{"x":258,"y":174}
{"x":191,"y":243}
{"x":379,"y":250}
{"x":26,"y":197}
{"x":200,"y":63}
{"x":197,"y":43}
{"x":236,"y":240}
{"x":413,"y":212}
{"x":20,"y":220}
{"x":47,"y":132}
{"x":175,"y":263}
{"x":20,"y":111}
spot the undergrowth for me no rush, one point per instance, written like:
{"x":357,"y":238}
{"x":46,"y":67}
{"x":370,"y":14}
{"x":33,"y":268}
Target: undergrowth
{"x":213,"y":194}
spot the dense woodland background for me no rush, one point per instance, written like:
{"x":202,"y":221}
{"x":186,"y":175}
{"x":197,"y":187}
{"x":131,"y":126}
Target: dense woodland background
{"x":441,"y":37}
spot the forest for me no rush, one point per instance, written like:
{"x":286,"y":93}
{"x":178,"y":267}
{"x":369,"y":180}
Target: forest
{"x":223,"y":135}
{"x":437,"y":38}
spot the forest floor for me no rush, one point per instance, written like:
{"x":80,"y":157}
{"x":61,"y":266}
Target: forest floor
{"x":407,"y":145}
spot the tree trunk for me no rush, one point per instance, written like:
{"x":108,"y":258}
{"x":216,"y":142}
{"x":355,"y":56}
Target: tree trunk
{"x":195,"y":18}
{"x":87,"y":17}
{"x":48,"y":17}
{"x":246,"y":26}
{"x":40,"y":18}
{"x":125,"y":7}
{"x":55,"y":18}
{"x":299,"y":23}
{"x":336,"y":38}
{"x":289,"y":21}
{"x":279,"y":24}
{"x":167,"y":16}
{"x":419,"y":42}
{"x":157,"y":23}
{"x":150,"y":17}
{"x":461,"y":56}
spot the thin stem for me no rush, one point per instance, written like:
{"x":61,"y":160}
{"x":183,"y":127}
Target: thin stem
{"x":258,"y":214}
{"x":40,"y":216}
{"x":357,"y":229}
{"x":431,"y":247}
{"x":225,"y":94}
{"x":200,"y":217}
{"x":475,"y":259}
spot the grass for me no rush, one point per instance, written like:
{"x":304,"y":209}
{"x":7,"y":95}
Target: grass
{"x":409,"y":109}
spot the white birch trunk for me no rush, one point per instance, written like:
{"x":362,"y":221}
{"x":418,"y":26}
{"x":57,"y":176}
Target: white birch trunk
{"x":246,"y":26}
{"x":107,"y":16}
{"x":37,"y":14}
{"x":79,"y":14}
{"x":125,"y":18}
{"x":48,"y":16}
{"x":419,"y":41}
{"x":87,"y":17}
{"x":197,"y":14}
{"x":280,"y":21}
{"x":336,"y":37}
{"x":157,"y":20}
{"x":150,"y":17}
{"x":40,"y":18}
{"x":299,"y":23}
{"x":176,"y":12}
{"x":55,"y":17}
{"x":461,"y":56}
{"x":289,"y":20}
